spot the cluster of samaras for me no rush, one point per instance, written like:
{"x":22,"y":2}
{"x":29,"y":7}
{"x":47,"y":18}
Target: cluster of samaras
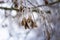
{"x":28,"y":23}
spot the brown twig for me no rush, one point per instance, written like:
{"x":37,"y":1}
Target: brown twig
{"x":44,"y":5}
{"x":9,"y":8}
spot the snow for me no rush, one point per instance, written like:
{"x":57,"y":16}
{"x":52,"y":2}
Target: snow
{"x":3,"y":34}
{"x":15,"y":32}
{"x":14,"y":13}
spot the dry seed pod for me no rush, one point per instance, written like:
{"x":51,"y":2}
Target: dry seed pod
{"x":15,"y":3}
{"x":21,"y":9}
{"x":46,"y":2}
{"x":48,"y":35}
{"x":29,"y":19}
{"x":24,"y":23}
{"x":32,"y":24}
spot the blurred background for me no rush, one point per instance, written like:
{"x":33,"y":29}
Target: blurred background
{"x":29,"y":19}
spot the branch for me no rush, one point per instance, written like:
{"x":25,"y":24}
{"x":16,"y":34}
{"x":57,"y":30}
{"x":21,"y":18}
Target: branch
{"x":5,"y":8}
{"x":44,"y":5}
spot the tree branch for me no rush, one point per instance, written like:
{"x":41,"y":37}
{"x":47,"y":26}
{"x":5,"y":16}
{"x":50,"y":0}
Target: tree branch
{"x":5,"y":8}
{"x":44,"y":5}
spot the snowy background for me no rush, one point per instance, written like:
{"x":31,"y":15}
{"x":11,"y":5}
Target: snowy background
{"x":10,"y":30}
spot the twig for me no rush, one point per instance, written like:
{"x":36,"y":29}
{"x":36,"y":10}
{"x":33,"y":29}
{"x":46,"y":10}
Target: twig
{"x":9,"y":8}
{"x":43,"y":5}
